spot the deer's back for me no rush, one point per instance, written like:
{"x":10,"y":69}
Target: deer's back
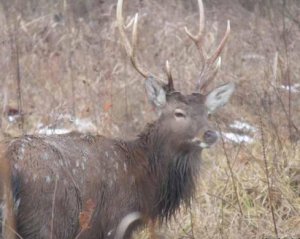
{"x":57,"y":177}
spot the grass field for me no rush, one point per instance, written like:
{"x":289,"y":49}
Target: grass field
{"x":63,"y":68}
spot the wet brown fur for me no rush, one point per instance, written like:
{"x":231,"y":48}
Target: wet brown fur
{"x":53,"y":178}
{"x":56,"y":175}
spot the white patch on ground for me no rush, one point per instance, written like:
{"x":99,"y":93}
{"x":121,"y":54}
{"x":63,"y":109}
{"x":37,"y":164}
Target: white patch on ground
{"x":237,"y":138}
{"x":81,"y":125}
{"x":245,"y":130}
{"x":293,"y":88}
{"x":242,"y":126}
{"x":251,"y":56}
{"x":13,"y":118}
{"x":48,"y":179}
{"x":49,"y":131}
{"x":84,"y":125}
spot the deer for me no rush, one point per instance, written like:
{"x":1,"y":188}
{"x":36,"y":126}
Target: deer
{"x":47,"y":180}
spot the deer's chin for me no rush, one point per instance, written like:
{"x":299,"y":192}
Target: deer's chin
{"x":201,"y":144}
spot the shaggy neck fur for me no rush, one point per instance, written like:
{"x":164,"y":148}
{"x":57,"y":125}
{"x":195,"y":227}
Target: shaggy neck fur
{"x":170,"y":167}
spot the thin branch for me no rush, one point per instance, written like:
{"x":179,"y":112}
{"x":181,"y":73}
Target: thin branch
{"x":267,"y":173}
{"x":231,"y":171}
{"x":287,"y":70}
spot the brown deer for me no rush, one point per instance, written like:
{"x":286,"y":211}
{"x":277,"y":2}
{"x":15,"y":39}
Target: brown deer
{"x":46,"y":181}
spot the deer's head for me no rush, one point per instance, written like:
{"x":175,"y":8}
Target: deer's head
{"x":184,"y":117}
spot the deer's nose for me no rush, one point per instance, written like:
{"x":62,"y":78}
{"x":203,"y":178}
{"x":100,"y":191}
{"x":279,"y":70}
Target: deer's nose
{"x":210,"y":137}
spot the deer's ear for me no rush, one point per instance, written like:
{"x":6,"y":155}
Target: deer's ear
{"x":156,"y":93}
{"x":219,"y":97}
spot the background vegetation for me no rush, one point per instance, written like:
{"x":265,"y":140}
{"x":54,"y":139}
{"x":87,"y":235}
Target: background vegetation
{"x":63,"y":68}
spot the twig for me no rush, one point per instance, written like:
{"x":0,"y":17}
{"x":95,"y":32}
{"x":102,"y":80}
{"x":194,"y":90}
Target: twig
{"x":223,"y":200}
{"x":267,"y":173}
{"x":19,"y":87}
{"x":14,"y":45}
{"x":230,"y":170}
{"x":287,"y":70}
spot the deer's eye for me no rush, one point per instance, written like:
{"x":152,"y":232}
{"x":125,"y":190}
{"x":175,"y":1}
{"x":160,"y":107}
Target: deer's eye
{"x":179,"y":113}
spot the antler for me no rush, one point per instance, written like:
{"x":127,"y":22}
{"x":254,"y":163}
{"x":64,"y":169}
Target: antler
{"x":212,"y":63}
{"x":131,"y":50}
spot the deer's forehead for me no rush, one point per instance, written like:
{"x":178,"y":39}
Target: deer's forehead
{"x":193,"y":100}
{"x":190,"y":103}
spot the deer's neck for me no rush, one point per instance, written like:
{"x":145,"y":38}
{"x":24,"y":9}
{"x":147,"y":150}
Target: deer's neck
{"x":171,"y":167}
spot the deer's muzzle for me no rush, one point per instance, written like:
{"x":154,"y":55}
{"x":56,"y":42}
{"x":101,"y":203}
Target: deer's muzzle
{"x":208,"y":139}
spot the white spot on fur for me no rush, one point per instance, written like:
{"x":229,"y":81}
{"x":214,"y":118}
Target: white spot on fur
{"x":109,"y":233}
{"x":106,"y":154}
{"x":21,"y":152}
{"x":125,"y":167}
{"x":77,"y":163}
{"x":34,"y":177}
{"x":45,"y":156}
{"x":16,"y":166}
{"x":61,"y":162}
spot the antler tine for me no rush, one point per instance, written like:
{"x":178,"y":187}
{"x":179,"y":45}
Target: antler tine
{"x":130,"y":50}
{"x":211,"y":63}
{"x":198,"y":38}
{"x":170,"y":84}
{"x":219,"y":49}
{"x":202,"y":84}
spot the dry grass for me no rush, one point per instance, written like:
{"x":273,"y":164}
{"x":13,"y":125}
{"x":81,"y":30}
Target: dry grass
{"x":70,"y":64}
